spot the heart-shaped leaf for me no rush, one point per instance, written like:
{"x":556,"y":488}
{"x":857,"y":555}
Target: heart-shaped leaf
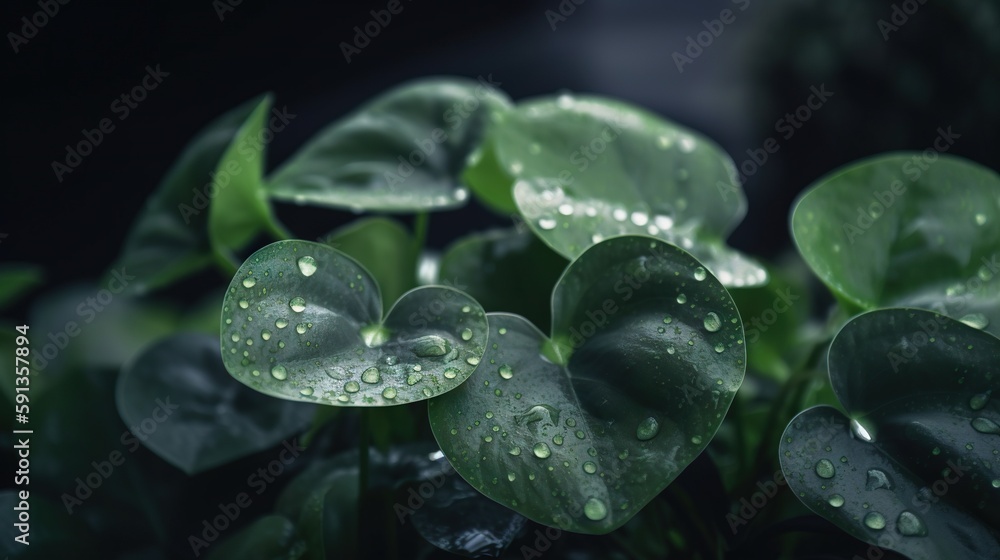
{"x":582,"y":430}
{"x":404,"y":151}
{"x":169,"y":239}
{"x":189,"y":412}
{"x":385,"y":249}
{"x":915,"y":465}
{"x":903,"y":230}
{"x":303,"y":321}
{"x":588,"y":168}
{"x":505,"y":270}
{"x":240,"y":210}
{"x":271,"y":537}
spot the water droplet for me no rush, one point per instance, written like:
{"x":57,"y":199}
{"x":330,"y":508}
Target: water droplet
{"x":300,"y":328}
{"x":712,"y":322}
{"x":647,"y":429}
{"x":413,"y":379}
{"x":502,"y":330}
{"x":281,"y":323}
{"x":976,"y":320}
{"x":825,"y":469}
{"x":696,"y":440}
{"x":836,"y":500}
{"x":389,"y":393}
{"x":547,"y":223}
{"x":682,"y":299}
{"x":306,"y":391}
{"x":875,"y":520}
{"x":307,"y":266}
{"x":566,"y":209}
{"x":719,"y":348}
{"x":589,"y":467}
{"x":235,"y":337}
{"x":515,"y":451}
{"x":978,"y":402}
{"x":297,"y":304}
{"x":595,"y":510}
{"x":671,"y":350}
{"x":352,"y":386}
{"x":619,"y":214}
{"x":663,"y":142}
{"x":249,"y":282}
{"x":541,"y":450}
{"x":860,"y":432}
{"x":878,"y":479}
{"x":985,"y":426}
{"x":279,"y":373}
{"x":640,"y":218}
{"x":431,"y":346}
{"x":451,"y":373}
{"x":558,"y":440}
{"x":980,"y":219}
{"x":511,"y":476}
{"x":910,"y":525}
{"x":699,"y":274}
{"x":371,"y":375}
{"x":995,"y":483}
{"x":580,"y":435}
{"x":506,"y":372}
{"x":374,"y":335}
{"x":244,"y":304}
{"x":472,"y":361}
{"x":466,"y":334}
{"x":265,"y":334}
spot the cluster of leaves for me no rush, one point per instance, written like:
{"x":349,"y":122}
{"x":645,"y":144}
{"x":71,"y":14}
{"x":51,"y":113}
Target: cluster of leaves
{"x":574,"y":370}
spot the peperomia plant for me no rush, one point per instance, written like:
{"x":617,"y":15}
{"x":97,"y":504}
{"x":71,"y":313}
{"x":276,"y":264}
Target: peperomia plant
{"x":600,"y":376}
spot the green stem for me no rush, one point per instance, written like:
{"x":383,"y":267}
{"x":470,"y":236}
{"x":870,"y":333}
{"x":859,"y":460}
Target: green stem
{"x":226,"y":266}
{"x":421,"y":223}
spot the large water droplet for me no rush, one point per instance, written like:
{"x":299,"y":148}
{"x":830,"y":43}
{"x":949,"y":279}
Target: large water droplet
{"x":389,"y":393}
{"x":244,"y":304}
{"x":249,"y":282}
{"x":699,"y":274}
{"x":836,"y":500}
{"x":515,"y":451}
{"x":978,"y":402}
{"x":547,"y":223}
{"x":413,"y":379}
{"x":719,"y":348}
{"x":537,"y":413}
{"x":307,"y":266}
{"x":878,"y":479}
{"x":374,"y":335}
{"x":825,"y":469}
{"x":595,"y":510}
{"x":541,"y":450}
{"x":647,"y":429}
{"x":506,"y":371}
{"x":712,"y":322}
{"x":682,"y":299}
{"x":589,"y":467}
{"x":371,"y":375}
{"x":985,"y":426}
{"x":976,"y":320}
{"x":430,"y":346}
{"x":875,"y":520}
{"x":466,"y":334}
{"x":281,"y":323}
{"x":980,"y":219}
{"x":297,"y":304}
{"x":451,"y":373}
{"x":300,"y":328}
{"x":352,"y":386}
{"x":279,"y":373}
{"x":306,"y":391}
{"x":860,"y":432}
{"x":910,"y":525}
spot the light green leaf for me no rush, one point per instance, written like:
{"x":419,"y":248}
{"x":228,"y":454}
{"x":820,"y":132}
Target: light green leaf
{"x":16,"y":279}
{"x":302,"y":321}
{"x":386,"y":250}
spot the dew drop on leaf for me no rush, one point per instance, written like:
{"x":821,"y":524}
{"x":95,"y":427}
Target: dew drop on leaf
{"x":978,"y":402}
{"x":506,"y":371}
{"x":985,"y":426}
{"x":541,"y":450}
{"x":712,"y":322}
{"x":836,"y":500}
{"x":647,"y":429}
{"x":910,"y":525}
{"x":877,"y":479}
{"x":307,"y":266}
{"x":352,"y":386}
{"x":249,"y":282}
{"x":371,"y":375}
{"x":595,"y":510}
{"x":699,"y":274}
{"x":825,"y":469}
{"x":875,"y":520}
{"x":279,"y":373}
{"x":682,"y":299}
{"x":389,"y":393}
{"x":297,"y":304}
{"x":467,"y":334}
{"x":451,"y":373}
{"x":589,"y":467}
{"x":281,"y":323}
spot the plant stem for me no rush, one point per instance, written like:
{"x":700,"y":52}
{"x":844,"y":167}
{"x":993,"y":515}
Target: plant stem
{"x":278,"y":231}
{"x":421,"y":223}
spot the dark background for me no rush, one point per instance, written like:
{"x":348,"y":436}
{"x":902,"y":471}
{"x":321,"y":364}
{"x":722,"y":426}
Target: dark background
{"x":940,"y":68}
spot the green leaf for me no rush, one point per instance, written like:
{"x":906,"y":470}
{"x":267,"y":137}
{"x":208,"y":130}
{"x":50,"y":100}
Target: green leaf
{"x":895,"y":231}
{"x":16,"y":279}
{"x":169,"y":239}
{"x":505,"y":270}
{"x":489,"y":181}
{"x":302,"y":321}
{"x":582,"y":430}
{"x":385,"y":249}
{"x":589,"y":168}
{"x":199,"y":417}
{"x":271,"y":537}
{"x":402,"y":152}
{"x":914,"y":465}
{"x":240,"y":210}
